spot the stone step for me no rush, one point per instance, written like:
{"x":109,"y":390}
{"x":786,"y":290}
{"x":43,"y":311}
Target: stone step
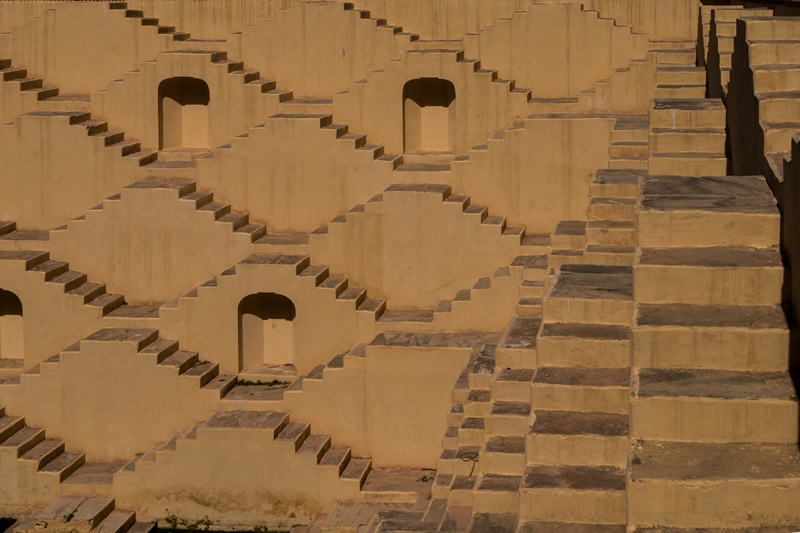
{"x":517,"y":347}
{"x":503,"y":455}
{"x":630,"y":129}
{"x":581,"y":389}
{"x":610,"y":233}
{"x":688,"y":164}
{"x":774,"y":52}
{"x":777,"y":106}
{"x":607,"y":208}
{"x":584,"y":345}
{"x":628,"y":149}
{"x":720,"y":485}
{"x":471,"y":432}
{"x":778,"y":28}
{"x":713,"y":406}
{"x":508,"y":418}
{"x":775,"y":78}
{"x":478,"y":403}
{"x":708,"y":276}
{"x":608,"y":255}
{"x":615,"y":183}
{"x":496,"y":493}
{"x":569,"y":235}
{"x":680,"y":56}
{"x":628,"y":163}
{"x":531,"y":289}
{"x":79,"y":512}
{"x":513,"y":385}
{"x":712,"y":211}
{"x":688,"y":75}
{"x":496,"y":522}
{"x":687,"y":113}
{"x":711,"y":337}
{"x":668,"y":140}
{"x":559,"y":493}
{"x":578,"y":438}
{"x":461,"y":461}
{"x":676,"y":91}
{"x":590,"y":294}
{"x":778,"y":136}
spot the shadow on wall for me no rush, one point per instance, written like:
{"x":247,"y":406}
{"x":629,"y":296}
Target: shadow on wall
{"x":429,"y":115}
{"x":266,"y":334}
{"x":183,"y":113}
{"x":11,"y":334}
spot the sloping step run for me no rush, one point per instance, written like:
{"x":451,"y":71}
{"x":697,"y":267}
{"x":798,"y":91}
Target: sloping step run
{"x":74,"y":284}
{"x":322,"y":280}
{"x":296,"y":436}
{"x":203,"y":202}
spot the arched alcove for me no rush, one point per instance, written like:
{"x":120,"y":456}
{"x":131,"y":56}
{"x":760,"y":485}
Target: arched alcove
{"x":11,"y":335}
{"x":429,"y":115}
{"x":183,"y":113}
{"x":266,"y":334}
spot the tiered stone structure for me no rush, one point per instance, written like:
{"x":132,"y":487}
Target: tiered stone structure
{"x":508,"y":266}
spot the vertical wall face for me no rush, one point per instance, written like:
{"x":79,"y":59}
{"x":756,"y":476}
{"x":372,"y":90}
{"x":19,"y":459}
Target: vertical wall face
{"x":183,"y":113}
{"x":11,"y":333}
{"x":429,"y":119}
{"x":265,"y":330}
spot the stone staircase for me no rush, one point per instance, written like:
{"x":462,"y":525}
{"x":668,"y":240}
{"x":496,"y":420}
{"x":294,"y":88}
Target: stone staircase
{"x":576,"y":445}
{"x":766,"y":86}
{"x":708,"y":271}
{"x":722,"y":34}
{"x":77,"y":513}
{"x":687,"y":137}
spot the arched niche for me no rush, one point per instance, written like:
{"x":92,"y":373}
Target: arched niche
{"x":266,"y":333}
{"x":12,"y":344}
{"x":429,"y":115}
{"x":183,"y":113}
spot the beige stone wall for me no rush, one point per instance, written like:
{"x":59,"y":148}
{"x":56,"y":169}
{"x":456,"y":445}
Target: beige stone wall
{"x":483,"y":106}
{"x":318,"y":49}
{"x":79,"y":46}
{"x":366,"y":405}
{"x":540,"y":174}
{"x":51,"y":319}
{"x":132,"y":104}
{"x":279,"y":170}
{"x":103,"y":398}
{"x":414,"y":247}
{"x":556,"y":50}
{"x":658,"y":19}
{"x":149,"y":244}
{"x":53,"y":171}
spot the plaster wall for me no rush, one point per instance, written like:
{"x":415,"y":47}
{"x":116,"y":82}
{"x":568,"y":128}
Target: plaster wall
{"x":369,"y":405}
{"x":54,"y":319}
{"x":278,"y":171}
{"x":412,"y":248}
{"x":106,"y":399}
{"x":209,"y":322}
{"x":556,"y":50}
{"x":132,"y":103}
{"x":149,"y":244}
{"x":482,"y":106}
{"x":318,"y":49}
{"x":53,"y":171}
{"x":78,"y":46}
{"x":540,"y":174}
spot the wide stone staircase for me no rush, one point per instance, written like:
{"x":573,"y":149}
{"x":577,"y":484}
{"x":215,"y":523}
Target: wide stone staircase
{"x":711,"y":417}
